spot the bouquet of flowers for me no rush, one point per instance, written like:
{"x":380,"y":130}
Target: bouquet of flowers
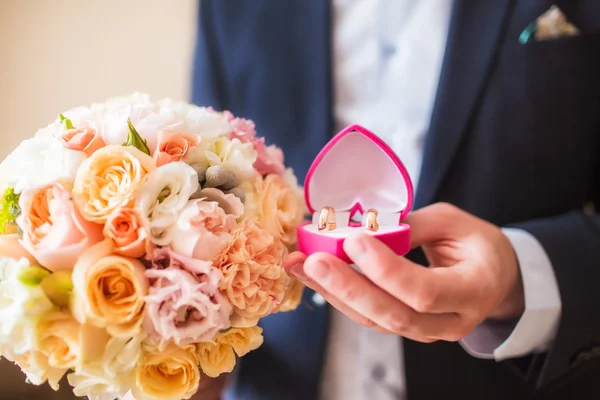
{"x":141,"y":242}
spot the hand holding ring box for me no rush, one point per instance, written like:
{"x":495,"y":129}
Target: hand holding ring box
{"x":356,"y":173}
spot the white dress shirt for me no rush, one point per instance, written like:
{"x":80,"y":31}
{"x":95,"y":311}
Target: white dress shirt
{"x":387,"y":61}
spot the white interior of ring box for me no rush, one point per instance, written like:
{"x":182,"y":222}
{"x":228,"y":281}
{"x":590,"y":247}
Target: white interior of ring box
{"x":356,"y":170}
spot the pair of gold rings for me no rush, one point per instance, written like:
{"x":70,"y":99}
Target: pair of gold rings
{"x":327,"y":219}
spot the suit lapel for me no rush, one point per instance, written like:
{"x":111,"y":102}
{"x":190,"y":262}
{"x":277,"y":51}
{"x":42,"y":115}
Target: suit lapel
{"x":474,"y":34}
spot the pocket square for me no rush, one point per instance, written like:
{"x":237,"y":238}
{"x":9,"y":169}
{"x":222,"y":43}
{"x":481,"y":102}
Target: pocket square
{"x":552,"y":24}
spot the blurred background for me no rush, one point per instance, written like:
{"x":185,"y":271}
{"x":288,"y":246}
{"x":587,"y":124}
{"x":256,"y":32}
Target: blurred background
{"x":57,"y":54}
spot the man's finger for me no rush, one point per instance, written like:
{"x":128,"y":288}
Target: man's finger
{"x":336,"y":303}
{"x":358,"y":293}
{"x":426,"y":290}
{"x":431,"y":224}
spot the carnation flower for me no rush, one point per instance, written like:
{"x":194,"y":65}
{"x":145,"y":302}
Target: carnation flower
{"x":253,"y":278}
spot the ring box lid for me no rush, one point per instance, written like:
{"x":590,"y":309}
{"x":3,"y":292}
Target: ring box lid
{"x":356,"y":171}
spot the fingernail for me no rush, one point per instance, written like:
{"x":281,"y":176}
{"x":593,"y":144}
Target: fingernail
{"x":320,"y":270}
{"x":298,"y":271}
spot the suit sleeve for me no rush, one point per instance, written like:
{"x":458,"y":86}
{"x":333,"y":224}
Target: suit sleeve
{"x":572,"y":242}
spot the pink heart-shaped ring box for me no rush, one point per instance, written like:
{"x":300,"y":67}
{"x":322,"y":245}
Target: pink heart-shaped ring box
{"x":354,"y":172}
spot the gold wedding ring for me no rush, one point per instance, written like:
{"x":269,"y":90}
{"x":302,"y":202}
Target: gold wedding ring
{"x":372,"y":224}
{"x":327,"y":219}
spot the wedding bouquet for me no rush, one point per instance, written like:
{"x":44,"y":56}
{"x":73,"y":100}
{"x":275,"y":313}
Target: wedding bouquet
{"x":141,"y":242}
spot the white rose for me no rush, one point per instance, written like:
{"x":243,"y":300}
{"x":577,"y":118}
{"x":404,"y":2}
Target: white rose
{"x":232,"y":155}
{"x":162,"y":197}
{"x":37,"y":162}
{"x":111,"y":376}
{"x":21,"y":306}
{"x":188,"y":118}
{"x":144,"y":116}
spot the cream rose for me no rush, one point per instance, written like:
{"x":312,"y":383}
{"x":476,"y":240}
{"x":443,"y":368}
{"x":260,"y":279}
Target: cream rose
{"x":35,"y":366}
{"x":277,"y":204}
{"x":109,"y":179}
{"x":112,"y":374}
{"x":37,"y":162}
{"x":254,"y":280}
{"x":22,"y":304}
{"x":109,"y":290}
{"x":170,"y":374}
{"x":232,"y":155}
{"x":162,"y":197}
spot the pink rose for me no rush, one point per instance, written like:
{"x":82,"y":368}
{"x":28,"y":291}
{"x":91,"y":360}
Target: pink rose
{"x":182,"y":307}
{"x":53,"y":230}
{"x":84,"y":139}
{"x":203,"y":228}
{"x":173,"y":147}
{"x":269,"y":158}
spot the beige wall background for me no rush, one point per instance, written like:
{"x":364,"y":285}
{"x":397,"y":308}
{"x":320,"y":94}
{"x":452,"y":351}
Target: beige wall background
{"x":57,"y":54}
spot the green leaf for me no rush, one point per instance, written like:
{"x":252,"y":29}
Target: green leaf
{"x":135,"y":139}
{"x":66,"y":121}
{"x":9,"y":209}
{"x":33,"y":276}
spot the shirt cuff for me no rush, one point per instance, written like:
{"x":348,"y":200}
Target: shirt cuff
{"x":535,"y":330}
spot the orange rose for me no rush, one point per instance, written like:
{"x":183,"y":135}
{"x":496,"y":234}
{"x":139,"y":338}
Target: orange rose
{"x":53,"y":230}
{"x":173,"y":147}
{"x":109,"y":179}
{"x":253,"y":278}
{"x":84,"y":139}
{"x":126,"y":228}
{"x":109,"y":291}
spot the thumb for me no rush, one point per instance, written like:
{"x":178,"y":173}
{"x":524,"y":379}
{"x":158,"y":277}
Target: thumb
{"x":433,"y":223}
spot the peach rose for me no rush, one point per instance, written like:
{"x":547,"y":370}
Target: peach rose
{"x":109,"y":179}
{"x":216,"y":357}
{"x":293,"y":296}
{"x":203,"y":228}
{"x":83,"y":139}
{"x":10,"y":246}
{"x":109,"y":290}
{"x":66,"y":343}
{"x":276,"y":202}
{"x":253,"y":278}
{"x":170,"y":374}
{"x":244,"y":340}
{"x":126,"y":227}
{"x":53,"y":230}
{"x":173,"y":147}
{"x":35,"y":366}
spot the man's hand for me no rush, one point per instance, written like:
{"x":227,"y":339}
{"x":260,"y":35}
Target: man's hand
{"x":473,"y":275}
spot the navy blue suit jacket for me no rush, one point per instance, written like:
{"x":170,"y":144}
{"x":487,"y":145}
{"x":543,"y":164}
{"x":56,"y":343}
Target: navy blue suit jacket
{"x":514,"y":138}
